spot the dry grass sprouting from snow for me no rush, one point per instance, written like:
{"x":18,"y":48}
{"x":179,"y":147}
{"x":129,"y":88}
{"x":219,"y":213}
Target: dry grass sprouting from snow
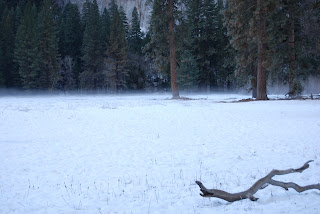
{"x":142,"y":154}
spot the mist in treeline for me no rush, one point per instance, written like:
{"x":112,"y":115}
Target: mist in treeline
{"x":218,"y":45}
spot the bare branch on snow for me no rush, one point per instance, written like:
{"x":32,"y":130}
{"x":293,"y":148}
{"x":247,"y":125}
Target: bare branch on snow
{"x":260,"y":184}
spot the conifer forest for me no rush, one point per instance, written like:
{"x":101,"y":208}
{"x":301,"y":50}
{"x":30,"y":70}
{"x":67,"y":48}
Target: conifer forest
{"x":193,"y":45}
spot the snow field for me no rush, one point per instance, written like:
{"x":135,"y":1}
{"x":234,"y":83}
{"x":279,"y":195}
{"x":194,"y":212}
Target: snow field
{"x":142,"y":154}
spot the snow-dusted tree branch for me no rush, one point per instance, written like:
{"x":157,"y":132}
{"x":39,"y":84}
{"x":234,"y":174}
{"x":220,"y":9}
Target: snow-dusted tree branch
{"x":260,"y":184}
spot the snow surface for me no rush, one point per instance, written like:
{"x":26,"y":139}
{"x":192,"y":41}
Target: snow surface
{"x":142,"y":154}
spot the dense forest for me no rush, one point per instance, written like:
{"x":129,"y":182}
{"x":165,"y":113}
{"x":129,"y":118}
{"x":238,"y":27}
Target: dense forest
{"x":189,"y":45}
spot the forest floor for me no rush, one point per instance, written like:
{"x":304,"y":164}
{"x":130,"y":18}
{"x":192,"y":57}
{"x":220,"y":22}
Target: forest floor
{"x":143,"y":153}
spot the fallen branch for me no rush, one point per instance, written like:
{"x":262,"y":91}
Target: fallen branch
{"x":260,"y":184}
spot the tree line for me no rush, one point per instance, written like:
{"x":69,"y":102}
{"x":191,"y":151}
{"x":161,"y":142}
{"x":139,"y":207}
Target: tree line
{"x":47,"y":47}
{"x":190,"y":45}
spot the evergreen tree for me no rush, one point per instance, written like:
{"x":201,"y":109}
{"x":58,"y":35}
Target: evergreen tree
{"x":92,"y":76}
{"x":70,"y":42}
{"x":137,"y":74}
{"x":157,"y":48}
{"x":1,"y":67}
{"x":48,"y":48}
{"x":85,"y":13}
{"x":206,"y":43}
{"x":7,"y":35}
{"x":124,"y":19}
{"x":188,"y":72}
{"x":2,"y":7}
{"x":112,"y":8}
{"x":224,"y":53}
{"x":249,"y":19}
{"x":135,"y":38}
{"x":162,"y":46}
{"x":309,"y":48}
{"x":117,"y":54}
{"x":291,"y":45}
{"x":18,"y":15}
{"x":27,"y":48}
{"x":70,"y":33}
{"x":239,"y":19}
{"x":106,"y":22}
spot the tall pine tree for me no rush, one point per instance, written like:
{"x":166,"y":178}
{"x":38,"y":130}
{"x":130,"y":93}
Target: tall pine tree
{"x":224,"y":53}
{"x":124,"y":20}
{"x":135,"y":37}
{"x":2,"y":84}
{"x":7,"y":35}
{"x":157,"y":48}
{"x":117,"y":54}
{"x":249,"y":19}
{"x":162,"y":46}
{"x":70,"y":33}
{"x":106,"y":23}
{"x":70,"y":42}
{"x":2,"y":70}
{"x":27,"y":48}
{"x":92,"y":77}
{"x":48,"y":49}
{"x":291,"y":44}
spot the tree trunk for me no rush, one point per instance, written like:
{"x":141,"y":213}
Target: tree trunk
{"x":117,"y":79}
{"x":292,"y":54}
{"x":261,"y":73}
{"x":254,"y":80}
{"x":173,"y":65}
{"x":95,"y":79}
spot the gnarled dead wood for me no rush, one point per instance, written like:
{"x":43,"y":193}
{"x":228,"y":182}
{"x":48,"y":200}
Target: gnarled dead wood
{"x":260,"y":184}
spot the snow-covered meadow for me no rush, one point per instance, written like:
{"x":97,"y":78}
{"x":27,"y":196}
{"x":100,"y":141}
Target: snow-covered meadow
{"x":142,"y":154}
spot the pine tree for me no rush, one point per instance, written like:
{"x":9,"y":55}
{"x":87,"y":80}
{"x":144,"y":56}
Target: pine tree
{"x":7,"y":36}
{"x":162,"y":47}
{"x":135,"y":38}
{"x":112,"y":8}
{"x":202,"y":38}
{"x":92,"y":77}
{"x":117,"y":54}
{"x":85,"y":13}
{"x":48,"y":48}
{"x":207,"y":43}
{"x":2,"y":7}
{"x":70,"y":42}
{"x":27,"y":48}
{"x":290,"y":43}
{"x":106,"y":22}
{"x":188,"y":72}
{"x":18,"y":14}
{"x":2,"y":82}
{"x":224,"y":53}
{"x":137,"y":74}
{"x":308,"y":35}
{"x":70,"y":34}
{"x":124,"y":19}
{"x":239,"y":19}
{"x":249,"y":19}
{"x":157,"y":48}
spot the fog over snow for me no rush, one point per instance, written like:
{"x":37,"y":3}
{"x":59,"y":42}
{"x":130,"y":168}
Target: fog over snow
{"x":142,"y":154}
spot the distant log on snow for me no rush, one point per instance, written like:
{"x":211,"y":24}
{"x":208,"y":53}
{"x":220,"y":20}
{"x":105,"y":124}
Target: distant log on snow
{"x":260,"y":184}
